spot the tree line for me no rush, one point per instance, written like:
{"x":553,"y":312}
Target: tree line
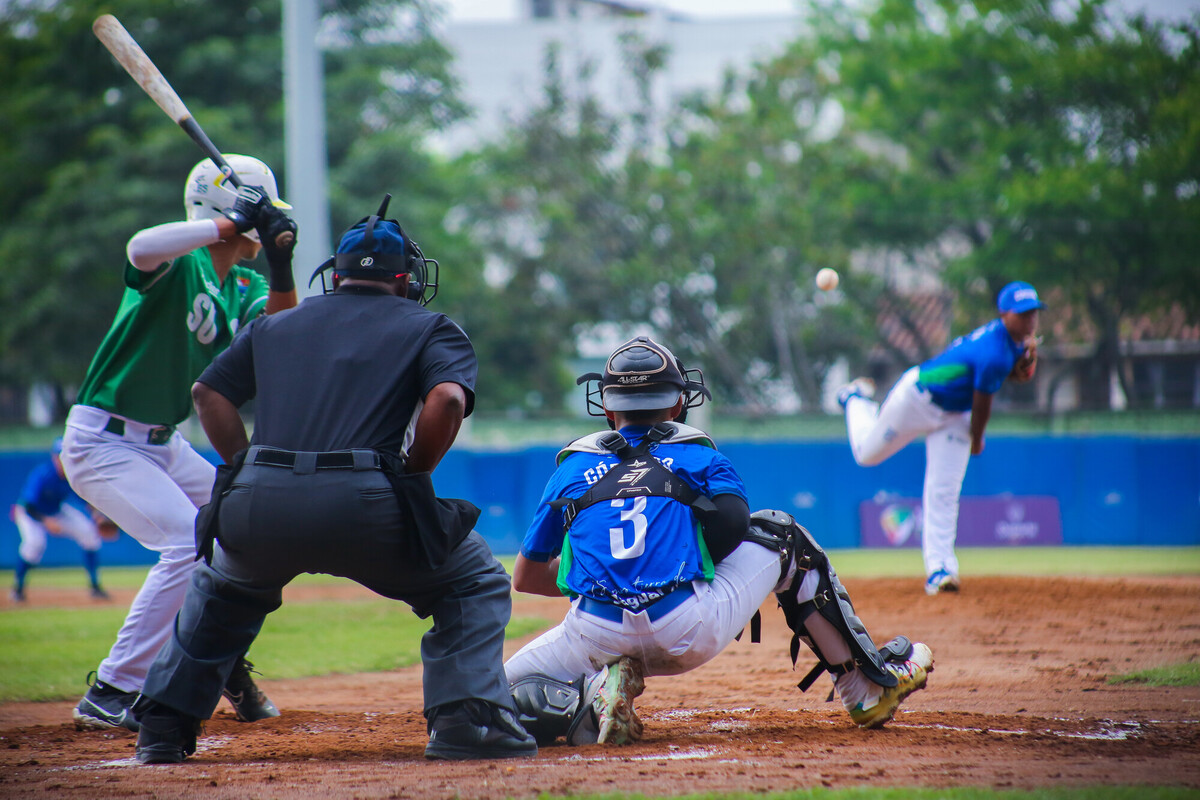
{"x":971,"y":142}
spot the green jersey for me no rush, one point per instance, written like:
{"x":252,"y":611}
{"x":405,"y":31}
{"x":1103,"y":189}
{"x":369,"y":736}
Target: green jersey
{"x":171,"y":324}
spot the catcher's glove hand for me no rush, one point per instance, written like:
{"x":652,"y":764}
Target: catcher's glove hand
{"x":1026,"y":366}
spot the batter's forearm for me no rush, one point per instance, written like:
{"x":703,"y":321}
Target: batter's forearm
{"x":149,"y":248}
{"x":280,"y":301}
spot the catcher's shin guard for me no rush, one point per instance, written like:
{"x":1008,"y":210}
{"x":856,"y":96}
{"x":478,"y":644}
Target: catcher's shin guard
{"x":831,"y":601}
{"x":548,"y":708}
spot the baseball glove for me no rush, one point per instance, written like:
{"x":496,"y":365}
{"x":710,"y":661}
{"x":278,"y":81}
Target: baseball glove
{"x":1026,"y":366}
{"x":109,"y":531}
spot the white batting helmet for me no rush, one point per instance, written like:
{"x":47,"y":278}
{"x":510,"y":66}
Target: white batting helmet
{"x":208,"y":191}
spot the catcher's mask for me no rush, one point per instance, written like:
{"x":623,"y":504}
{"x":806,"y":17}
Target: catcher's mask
{"x":642,"y":375}
{"x":377,"y":249}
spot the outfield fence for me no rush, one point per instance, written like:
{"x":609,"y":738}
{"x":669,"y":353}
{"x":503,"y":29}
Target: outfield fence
{"x":1023,"y":490}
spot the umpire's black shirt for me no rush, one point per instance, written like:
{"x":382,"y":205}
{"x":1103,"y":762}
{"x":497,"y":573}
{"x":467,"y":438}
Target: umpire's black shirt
{"x":342,"y":370}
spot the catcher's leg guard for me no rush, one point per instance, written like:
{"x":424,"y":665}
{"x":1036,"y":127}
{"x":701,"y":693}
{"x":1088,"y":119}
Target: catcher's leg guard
{"x":548,"y":708}
{"x":831,"y":601}
{"x":773,"y":530}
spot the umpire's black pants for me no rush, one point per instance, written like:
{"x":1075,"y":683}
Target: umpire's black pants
{"x":276,"y":524}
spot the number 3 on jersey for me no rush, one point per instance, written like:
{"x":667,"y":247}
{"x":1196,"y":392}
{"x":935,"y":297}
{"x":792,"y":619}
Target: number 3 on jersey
{"x":616,"y":536}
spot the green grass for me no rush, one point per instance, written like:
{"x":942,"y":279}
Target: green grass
{"x":46,"y":652}
{"x":1025,"y":561}
{"x":1170,"y":675}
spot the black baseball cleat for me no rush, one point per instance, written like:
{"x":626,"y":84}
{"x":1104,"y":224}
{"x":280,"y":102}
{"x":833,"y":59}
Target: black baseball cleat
{"x":105,"y":707}
{"x":249,"y":702}
{"x":167,"y":736}
{"x":476,"y":729}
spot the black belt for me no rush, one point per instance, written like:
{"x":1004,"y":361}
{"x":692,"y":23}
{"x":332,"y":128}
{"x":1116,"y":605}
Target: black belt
{"x":305,"y":461}
{"x":659,"y":608}
{"x":159,"y":434}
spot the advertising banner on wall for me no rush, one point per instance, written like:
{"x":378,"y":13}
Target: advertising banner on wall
{"x":1017,"y":520}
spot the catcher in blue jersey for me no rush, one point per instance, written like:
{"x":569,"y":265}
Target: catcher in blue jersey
{"x":646,"y":527}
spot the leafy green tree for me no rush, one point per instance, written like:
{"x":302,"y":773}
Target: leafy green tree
{"x":90,"y":159}
{"x":1043,"y":142}
{"x":547,"y":211}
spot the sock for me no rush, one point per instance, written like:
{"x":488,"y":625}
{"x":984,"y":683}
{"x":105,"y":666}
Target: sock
{"x":22,"y":569}
{"x":855,"y":689}
{"x":91,"y":562}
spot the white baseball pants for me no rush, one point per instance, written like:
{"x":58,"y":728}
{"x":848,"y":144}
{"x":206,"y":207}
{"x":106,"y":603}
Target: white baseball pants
{"x":679,"y":641}
{"x":76,"y":526}
{"x":151,"y":492}
{"x":878,"y":432}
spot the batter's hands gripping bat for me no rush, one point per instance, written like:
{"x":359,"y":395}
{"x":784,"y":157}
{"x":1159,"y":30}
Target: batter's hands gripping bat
{"x":112,"y":34}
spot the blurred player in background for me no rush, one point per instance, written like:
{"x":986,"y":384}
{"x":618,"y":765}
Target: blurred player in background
{"x":185,"y":299}
{"x":42,"y":510}
{"x":948,"y":400}
{"x":647,"y":528}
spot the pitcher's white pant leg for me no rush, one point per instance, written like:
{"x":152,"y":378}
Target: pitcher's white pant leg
{"x":33,"y":536}
{"x":151,"y":492}
{"x":947,"y":453}
{"x":877,"y":432}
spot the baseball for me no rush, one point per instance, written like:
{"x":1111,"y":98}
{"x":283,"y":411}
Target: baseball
{"x":827,"y":279}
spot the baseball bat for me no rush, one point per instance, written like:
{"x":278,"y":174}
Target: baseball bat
{"x":133,"y":58}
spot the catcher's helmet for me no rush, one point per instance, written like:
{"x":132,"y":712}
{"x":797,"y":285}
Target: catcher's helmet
{"x":208,"y":191}
{"x":643,"y":375}
{"x":377,"y":249}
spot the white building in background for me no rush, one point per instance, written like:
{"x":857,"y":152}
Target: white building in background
{"x":501,"y":63}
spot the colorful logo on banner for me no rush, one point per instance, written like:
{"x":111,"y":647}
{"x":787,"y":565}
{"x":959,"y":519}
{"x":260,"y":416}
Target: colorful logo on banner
{"x":899,"y":522}
{"x":982,"y":521}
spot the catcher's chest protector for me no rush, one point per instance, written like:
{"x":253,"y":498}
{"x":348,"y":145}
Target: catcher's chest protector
{"x":638,"y":473}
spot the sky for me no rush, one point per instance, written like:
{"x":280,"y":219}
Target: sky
{"x":482,"y":10}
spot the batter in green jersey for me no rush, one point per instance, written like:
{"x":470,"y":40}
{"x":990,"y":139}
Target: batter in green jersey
{"x":185,"y":299}
{"x":171,"y":324}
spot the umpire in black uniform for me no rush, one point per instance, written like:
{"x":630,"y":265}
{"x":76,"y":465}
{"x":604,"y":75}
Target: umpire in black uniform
{"x":360,"y":392}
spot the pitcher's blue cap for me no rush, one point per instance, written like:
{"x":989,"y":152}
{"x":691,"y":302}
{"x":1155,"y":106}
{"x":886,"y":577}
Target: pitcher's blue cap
{"x":1019,"y":297}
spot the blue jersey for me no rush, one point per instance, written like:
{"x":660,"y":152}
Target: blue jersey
{"x":45,"y":491}
{"x":979,"y":361}
{"x":630,"y":551}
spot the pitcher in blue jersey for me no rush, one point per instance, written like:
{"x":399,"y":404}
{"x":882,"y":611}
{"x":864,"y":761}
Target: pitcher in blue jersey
{"x":948,"y":400}
{"x":647,"y":529}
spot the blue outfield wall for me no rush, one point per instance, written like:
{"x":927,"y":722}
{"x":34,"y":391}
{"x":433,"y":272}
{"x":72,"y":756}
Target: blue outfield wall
{"x":1111,"y":490}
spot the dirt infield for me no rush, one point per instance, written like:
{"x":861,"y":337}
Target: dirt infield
{"x":1018,"y":699}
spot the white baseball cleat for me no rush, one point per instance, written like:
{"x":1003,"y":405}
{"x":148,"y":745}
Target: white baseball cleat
{"x":941,"y":581}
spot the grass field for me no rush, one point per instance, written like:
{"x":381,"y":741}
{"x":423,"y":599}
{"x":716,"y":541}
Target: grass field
{"x":48,"y":651}
{"x":45,"y":652}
